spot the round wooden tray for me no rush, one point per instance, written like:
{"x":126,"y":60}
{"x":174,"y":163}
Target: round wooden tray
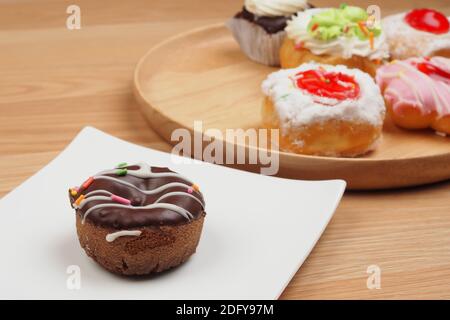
{"x":203,"y":75}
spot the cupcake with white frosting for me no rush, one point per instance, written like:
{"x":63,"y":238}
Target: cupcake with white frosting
{"x":345,"y":35}
{"x":259,"y":27}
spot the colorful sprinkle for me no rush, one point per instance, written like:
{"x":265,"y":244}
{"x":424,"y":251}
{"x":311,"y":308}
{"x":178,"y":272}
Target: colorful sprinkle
{"x":195,"y":187}
{"x":190,"y":190}
{"x":120,"y":200}
{"x":78,"y":201}
{"x":363,"y":28}
{"x":121,"y":172}
{"x":314,"y":27}
{"x":87,"y":183}
{"x":372,"y":40}
{"x":73,"y":192}
{"x":122,"y":165}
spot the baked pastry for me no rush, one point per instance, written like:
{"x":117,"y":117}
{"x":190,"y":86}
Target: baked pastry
{"x":417,"y":92}
{"x":324,"y":110}
{"x":137,"y":219}
{"x":259,"y":27}
{"x":418,"y":33}
{"x":334,"y":36}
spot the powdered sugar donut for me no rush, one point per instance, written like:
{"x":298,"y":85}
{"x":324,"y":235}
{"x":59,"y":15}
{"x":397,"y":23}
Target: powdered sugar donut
{"x":324,"y":110}
{"x":417,"y":33}
{"x":417,"y":92}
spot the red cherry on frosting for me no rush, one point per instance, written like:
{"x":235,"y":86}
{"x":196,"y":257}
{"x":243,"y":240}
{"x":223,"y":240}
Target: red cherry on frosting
{"x":430,"y":69}
{"x":334,"y":85}
{"x":428,"y":20}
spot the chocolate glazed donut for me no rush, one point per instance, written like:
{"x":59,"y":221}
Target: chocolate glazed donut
{"x":138,"y":219}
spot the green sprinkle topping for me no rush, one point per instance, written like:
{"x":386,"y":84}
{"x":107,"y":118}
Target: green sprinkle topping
{"x":284,"y":96}
{"x":121,"y":172}
{"x":349,"y":21}
{"x":122,"y":165}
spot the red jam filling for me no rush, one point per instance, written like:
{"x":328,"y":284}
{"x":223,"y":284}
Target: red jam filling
{"x":333,"y":85}
{"x":428,"y":20}
{"x":430,"y":69}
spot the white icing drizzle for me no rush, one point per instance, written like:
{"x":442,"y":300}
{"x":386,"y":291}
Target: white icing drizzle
{"x":178,"y":193}
{"x":110,"y":237}
{"x":144,"y":171}
{"x":148,"y":192}
{"x":168,"y":206}
{"x":91,"y":198}
{"x":95,"y":192}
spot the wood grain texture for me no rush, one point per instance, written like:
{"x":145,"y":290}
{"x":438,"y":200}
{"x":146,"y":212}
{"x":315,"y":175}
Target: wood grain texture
{"x":202,"y":75}
{"x":56,"y":81}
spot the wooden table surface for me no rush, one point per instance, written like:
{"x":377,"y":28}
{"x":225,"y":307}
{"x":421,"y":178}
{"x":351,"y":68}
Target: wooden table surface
{"x":55,"y":81}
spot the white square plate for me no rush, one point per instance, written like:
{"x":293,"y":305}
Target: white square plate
{"x":257,"y":233}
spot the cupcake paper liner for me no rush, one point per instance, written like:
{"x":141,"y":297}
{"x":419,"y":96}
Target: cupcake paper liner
{"x":256,"y":43}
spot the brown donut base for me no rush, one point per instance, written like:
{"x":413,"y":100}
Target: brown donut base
{"x":155,"y":250}
{"x":441,"y":53}
{"x":335,"y":137}
{"x":290,"y":57}
{"x":412,"y":118}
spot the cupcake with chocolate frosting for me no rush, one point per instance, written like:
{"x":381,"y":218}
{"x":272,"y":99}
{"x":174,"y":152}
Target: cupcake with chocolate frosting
{"x":259,"y":27}
{"x":138,"y":219}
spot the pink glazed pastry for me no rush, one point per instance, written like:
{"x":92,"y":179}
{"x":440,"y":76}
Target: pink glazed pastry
{"x":417,"y":93}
